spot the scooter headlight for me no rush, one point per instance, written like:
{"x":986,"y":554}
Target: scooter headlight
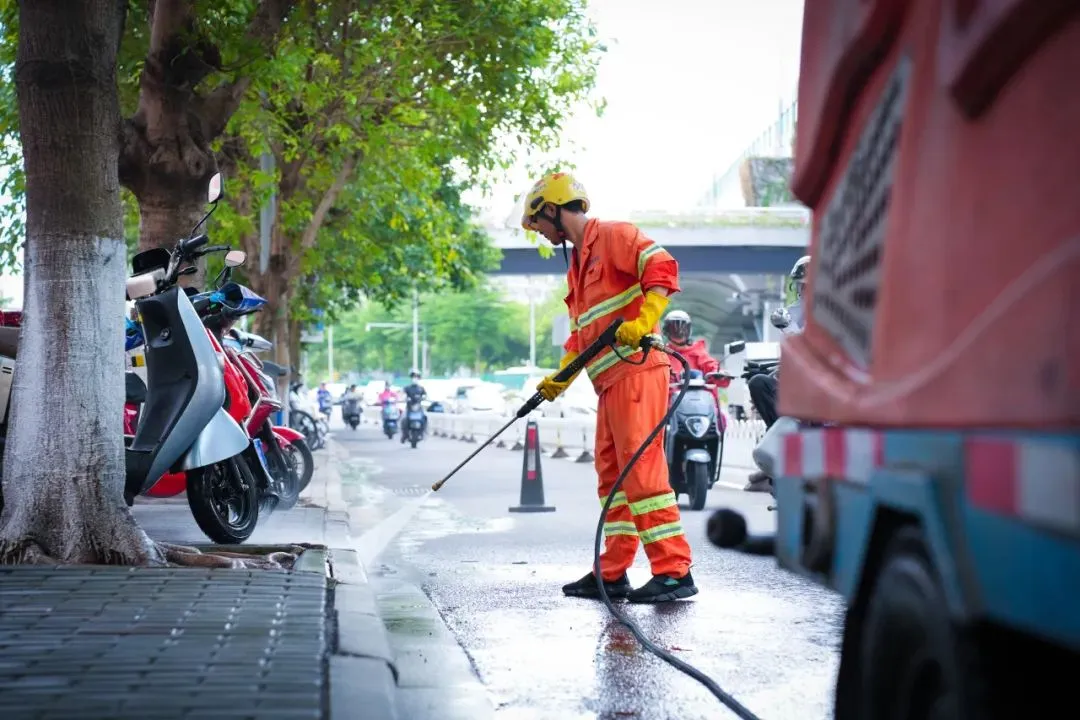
{"x":697,"y":425}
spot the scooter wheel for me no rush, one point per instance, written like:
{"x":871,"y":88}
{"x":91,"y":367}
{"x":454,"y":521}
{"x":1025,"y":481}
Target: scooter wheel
{"x":224,"y":499}
{"x":300,"y":458}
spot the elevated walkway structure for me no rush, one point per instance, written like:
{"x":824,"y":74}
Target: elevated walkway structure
{"x":747,"y":241}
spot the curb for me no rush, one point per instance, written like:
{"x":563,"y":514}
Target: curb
{"x":362,"y":671}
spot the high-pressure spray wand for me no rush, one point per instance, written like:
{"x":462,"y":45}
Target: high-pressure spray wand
{"x":606,"y":339}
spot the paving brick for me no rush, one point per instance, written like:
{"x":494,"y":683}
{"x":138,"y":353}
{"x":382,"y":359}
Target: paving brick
{"x":126,"y":643}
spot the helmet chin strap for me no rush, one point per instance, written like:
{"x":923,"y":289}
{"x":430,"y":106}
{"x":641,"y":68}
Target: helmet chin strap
{"x":556,"y":220}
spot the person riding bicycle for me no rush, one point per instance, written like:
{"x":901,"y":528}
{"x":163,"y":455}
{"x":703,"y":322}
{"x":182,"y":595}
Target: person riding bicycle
{"x":414,"y":392}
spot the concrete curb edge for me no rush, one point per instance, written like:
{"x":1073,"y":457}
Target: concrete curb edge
{"x":363,"y":673}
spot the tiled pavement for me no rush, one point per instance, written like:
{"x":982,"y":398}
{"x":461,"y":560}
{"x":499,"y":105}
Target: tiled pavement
{"x":140,"y":643}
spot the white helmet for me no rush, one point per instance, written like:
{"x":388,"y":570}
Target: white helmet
{"x":677,"y":326}
{"x":797,"y":279}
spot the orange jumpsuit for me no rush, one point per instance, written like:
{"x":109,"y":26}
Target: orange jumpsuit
{"x":609,"y":275}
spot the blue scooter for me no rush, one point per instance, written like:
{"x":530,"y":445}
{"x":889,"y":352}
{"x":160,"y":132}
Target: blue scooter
{"x":390,"y":417}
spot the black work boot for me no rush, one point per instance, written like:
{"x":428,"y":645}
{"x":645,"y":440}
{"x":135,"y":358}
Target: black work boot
{"x":586,"y":587}
{"x":664,"y":588}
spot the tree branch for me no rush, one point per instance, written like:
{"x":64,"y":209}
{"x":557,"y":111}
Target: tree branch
{"x":223,"y":100}
{"x":326,"y":203}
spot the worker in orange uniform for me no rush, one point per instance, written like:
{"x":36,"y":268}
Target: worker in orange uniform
{"x":616,"y":272}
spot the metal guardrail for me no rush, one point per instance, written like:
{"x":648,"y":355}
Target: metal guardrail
{"x":571,"y":438}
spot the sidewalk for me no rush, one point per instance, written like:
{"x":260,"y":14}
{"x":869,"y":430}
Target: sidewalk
{"x":115,"y":643}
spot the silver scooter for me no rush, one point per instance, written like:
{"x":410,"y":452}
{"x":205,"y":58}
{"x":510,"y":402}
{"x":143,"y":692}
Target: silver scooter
{"x":183,"y":424}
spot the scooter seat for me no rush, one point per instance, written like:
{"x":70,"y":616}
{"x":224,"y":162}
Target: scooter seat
{"x":274,"y":369}
{"x":9,"y":341}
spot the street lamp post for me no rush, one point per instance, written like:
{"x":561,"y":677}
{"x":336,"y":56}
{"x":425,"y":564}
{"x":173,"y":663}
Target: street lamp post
{"x":415,"y":330}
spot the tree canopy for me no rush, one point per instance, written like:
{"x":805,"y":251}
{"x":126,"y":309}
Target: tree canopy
{"x":475,"y":329}
{"x":378,"y":116}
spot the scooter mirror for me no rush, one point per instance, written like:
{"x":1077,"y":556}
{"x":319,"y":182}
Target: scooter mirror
{"x":213,"y":192}
{"x":234,"y":258}
{"x":736,"y":347}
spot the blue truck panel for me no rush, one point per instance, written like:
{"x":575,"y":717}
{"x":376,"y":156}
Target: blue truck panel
{"x":991,"y":565}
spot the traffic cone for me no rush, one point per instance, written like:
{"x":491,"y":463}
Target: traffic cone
{"x":560,"y":451}
{"x":532,"y":477}
{"x":585,"y":456}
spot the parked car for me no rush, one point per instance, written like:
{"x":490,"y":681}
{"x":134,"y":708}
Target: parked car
{"x":483,"y":398}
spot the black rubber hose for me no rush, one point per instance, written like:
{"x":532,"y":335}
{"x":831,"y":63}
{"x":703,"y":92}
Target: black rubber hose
{"x":730,"y":702}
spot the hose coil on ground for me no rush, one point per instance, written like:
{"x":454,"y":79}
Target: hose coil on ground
{"x":724,"y":697}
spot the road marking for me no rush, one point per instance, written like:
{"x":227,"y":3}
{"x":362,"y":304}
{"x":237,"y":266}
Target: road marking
{"x":372,"y":543}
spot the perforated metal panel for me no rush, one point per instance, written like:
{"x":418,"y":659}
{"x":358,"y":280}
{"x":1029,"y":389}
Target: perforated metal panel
{"x":853,"y":227}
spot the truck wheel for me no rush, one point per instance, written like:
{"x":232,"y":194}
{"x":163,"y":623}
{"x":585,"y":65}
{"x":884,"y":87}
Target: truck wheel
{"x":697,"y":484}
{"x":913,"y":663}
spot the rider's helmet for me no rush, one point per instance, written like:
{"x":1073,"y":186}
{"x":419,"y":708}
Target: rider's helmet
{"x":677,"y":327}
{"x":414,"y":374}
{"x":559,"y":189}
{"x":797,"y":280}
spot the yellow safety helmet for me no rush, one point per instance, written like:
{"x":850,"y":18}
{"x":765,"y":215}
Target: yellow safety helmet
{"x":556,"y":188}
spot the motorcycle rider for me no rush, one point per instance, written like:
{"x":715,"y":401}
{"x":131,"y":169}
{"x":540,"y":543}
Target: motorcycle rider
{"x":414,"y":392}
{"x":677,"y":328}
{"x":615,"y":271}
{"x":387,"y":395}
{"x":763,"y":387}
{"x":326,"y":400}
{"x":350,"y":402}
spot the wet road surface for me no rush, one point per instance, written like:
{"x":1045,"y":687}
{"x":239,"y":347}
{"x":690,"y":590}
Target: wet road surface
{"x":766,"y":636}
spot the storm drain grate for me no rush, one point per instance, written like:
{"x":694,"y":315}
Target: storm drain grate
{"x":853,"y":227}
{"x":411,"y":491}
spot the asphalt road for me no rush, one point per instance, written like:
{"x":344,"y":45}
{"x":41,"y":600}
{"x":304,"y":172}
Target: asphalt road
{"x":769,"y":638}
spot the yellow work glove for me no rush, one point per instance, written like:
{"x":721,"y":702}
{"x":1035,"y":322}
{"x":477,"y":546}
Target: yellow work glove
{"x":549,"y":387}
{"x":630,"y":333}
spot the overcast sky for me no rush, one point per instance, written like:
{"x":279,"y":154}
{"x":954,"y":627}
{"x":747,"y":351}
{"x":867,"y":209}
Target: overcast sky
{"x":689,"y":85}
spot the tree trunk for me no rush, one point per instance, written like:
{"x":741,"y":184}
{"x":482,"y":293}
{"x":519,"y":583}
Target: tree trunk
{"x":295,"y":348}
{"x":164,"y":219}
{"x":64,"y":460}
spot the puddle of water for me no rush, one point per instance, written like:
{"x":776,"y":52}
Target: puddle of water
{"x":357,"y":488}
{"x":437,"y":518}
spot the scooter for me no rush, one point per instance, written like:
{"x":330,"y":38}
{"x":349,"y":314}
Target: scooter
{"x":183,"y":425}
{"x":305,"y":417}
{"x":260,"y":375}
{"x":350,"y":412}
{"x":413,"y":431}
{"x":252,"y":399}
{"x":390,"y":416}
{"x":694,"y":439}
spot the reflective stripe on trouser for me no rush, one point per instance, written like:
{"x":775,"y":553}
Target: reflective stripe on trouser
{"x":644,"y":510}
